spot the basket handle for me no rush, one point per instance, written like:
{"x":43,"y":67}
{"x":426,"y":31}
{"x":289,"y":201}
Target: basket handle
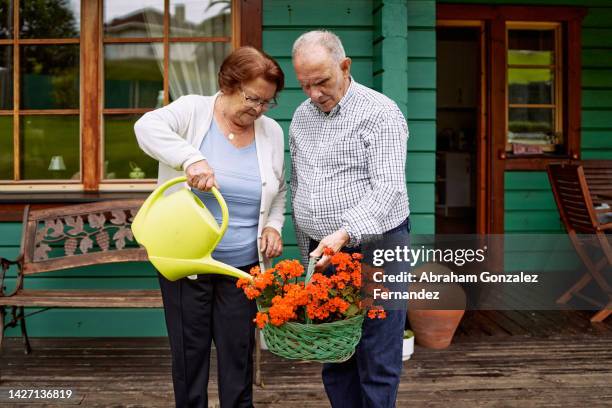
{"x":312,"y":261}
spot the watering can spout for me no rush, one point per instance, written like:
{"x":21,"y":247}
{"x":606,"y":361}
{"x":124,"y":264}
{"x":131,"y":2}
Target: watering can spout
{"x":180,"y":233}
{"x":173,"y":269}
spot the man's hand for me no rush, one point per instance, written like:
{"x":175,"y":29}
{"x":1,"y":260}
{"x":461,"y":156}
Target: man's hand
{"x":271,"y":243}
{"x":201,"y":176}
{"x":335,"y":241}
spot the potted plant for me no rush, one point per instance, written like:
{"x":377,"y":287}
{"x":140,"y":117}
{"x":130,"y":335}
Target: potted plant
{"x":312,"y":317}
{"x":408,"y":346}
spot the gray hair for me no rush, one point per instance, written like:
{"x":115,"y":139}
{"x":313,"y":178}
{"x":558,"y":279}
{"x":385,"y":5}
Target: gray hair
{"x":323,"y":38}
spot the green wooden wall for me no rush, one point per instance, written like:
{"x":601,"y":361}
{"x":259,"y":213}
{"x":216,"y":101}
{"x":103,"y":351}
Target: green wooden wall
{"x":421,"y":114}
{"x":283,"y":22}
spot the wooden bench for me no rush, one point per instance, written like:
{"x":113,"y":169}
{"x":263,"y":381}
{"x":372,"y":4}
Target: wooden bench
{"x":71,"y":237}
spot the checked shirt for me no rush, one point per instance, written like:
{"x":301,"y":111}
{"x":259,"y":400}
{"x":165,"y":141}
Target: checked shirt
{"x":348,"y":167}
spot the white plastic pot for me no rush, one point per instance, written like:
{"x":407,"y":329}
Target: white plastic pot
{"x":407,"y":348}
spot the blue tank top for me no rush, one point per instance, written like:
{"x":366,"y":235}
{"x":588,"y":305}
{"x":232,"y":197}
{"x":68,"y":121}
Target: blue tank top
{"x":237,"y":173}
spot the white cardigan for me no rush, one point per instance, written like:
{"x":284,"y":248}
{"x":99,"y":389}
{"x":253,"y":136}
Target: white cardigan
{"x":173,"y":135}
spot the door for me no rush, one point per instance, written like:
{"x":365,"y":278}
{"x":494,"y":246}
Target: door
{"x":463,"y":163}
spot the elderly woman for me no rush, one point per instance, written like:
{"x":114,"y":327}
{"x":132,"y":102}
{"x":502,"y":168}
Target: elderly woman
{"x":225,"y":141}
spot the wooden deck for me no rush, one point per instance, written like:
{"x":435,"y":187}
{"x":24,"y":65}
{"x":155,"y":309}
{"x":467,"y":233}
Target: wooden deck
{"x":509,"y":359}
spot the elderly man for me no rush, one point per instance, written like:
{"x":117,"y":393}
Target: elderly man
{"x":348,"y":151}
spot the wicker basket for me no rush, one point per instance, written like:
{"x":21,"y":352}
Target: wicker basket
{"x":333,"y":342}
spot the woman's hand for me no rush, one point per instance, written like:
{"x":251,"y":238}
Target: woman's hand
{"x":271,"y":243}
{"x":201,"y":176}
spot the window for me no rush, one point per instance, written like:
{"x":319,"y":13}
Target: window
{"x":39,"y":102}
{"x":75,"y":76}
{"x":534,"y":88}
{"x":153,"y":55}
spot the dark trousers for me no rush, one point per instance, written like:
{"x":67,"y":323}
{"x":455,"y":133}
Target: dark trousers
{"x":370,"y":378}
{"x":198,"y":312}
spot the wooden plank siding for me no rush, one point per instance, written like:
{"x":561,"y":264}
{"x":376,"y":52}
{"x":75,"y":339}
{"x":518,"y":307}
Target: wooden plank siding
{"x":421,"y":113}
{"x":283,"y":22}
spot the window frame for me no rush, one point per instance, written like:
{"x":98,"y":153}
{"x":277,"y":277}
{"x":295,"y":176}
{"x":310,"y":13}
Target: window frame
{"x":246,"y":30}
{"x":558,"y":67}
{"x":570,"y":22}
{"x":17,"y":113}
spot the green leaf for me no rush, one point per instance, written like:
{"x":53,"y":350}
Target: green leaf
{"x":351,"y":311}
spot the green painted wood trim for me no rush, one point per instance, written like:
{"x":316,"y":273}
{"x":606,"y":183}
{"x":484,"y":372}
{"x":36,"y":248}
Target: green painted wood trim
{"x":597,"y":154}
{"x":529,"y":200}
{"x":390,"y":50}
{"x":94,"y":323}
{"x":422,"y":136}
{"x":421,"y":13}
{"x":526,"y":181}
{"x":597,"y":98}
{"x":10,"y":234}
{"x":422,"y":42}
{"x":317,"y":13}
{"x":598,"y":17}
{"x":592,"y":78}
{"x":357,"y":41}
{"x":597,"y":37}
{"x":596,"y":58}
{"x":533,"y":221}
{"x":423,"y":223}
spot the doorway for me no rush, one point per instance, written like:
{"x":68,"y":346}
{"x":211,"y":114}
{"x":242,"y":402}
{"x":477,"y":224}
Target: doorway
{"x":460,"y":153}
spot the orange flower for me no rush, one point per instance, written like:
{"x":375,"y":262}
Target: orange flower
{"x":323,"y":299}
{"x":328,"y":251}
{"x":242,"y":282}
{"x":377,"y":312}
{"x":289,"y":269}
{"x":255,"y":270}
{"x":261,"y":319}
{"x":262,"y":281}
{"x":251,"y":292}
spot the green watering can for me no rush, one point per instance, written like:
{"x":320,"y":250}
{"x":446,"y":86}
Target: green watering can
{"x":180,"y":234}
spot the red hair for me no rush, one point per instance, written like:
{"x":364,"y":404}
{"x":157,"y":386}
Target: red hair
{"x":247,"y":63}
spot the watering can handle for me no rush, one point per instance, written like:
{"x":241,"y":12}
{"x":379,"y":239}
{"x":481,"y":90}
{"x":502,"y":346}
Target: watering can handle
{"x":182,"y":179}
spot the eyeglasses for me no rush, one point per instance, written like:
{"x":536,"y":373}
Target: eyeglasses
{"x":255,"y":102}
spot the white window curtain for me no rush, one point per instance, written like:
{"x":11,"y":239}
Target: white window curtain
{"x":193,"y":66}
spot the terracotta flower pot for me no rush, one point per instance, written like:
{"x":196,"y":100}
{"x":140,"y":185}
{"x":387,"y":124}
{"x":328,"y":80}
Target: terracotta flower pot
{"x":434,"y":328}
{"x":434,"y":322}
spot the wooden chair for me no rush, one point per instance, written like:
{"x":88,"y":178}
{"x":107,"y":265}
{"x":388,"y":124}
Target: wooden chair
{"x":598,"y":174}
{"x":575,"y":203}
